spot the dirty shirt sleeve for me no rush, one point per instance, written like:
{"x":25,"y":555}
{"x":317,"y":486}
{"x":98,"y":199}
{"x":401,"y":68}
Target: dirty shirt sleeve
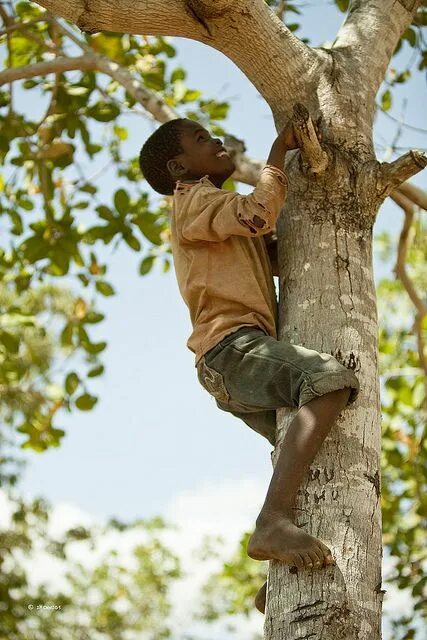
{"x":215,"y":214}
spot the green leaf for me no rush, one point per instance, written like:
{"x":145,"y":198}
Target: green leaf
{"x":386,"y":100}
{"x":410,"y":36}
{"x":105,"y":288}
{"x":103,"y":111}
{"x":122,"y":201}
{"x":178,"y":74}
{"x":342,"y":4}
{"x":121,"y":132}
{"x":105,"y":213}
{"x":10,"y":341}
{"x":93,"y":317}
{"x":132,"y":241}
{"x":89,"y":188}
{"x":86,"y":402}
{"x":94,"y":347}
{"x":67,"y":335}
{"x":72,"y":381}
{"x":146,"y":265}
{"x":96,"y":371}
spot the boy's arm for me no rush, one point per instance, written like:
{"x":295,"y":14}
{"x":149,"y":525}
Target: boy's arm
{"x":213,"y":215}
{"x":270,"y":240}
{"x":216,"y":214}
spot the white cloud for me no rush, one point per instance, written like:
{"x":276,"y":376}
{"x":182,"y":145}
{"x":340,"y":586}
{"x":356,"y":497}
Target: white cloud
{"x":225,"y":510}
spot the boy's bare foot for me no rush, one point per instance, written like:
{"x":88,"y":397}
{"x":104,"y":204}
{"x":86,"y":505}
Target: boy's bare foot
{"x":260,"y":598}
{"x":278,"y":538}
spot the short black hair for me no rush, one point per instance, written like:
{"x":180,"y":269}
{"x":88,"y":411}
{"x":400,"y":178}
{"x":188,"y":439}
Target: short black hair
{"x":163,"y":145}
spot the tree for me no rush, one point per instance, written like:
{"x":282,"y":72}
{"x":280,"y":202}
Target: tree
{"x":336,"y":192}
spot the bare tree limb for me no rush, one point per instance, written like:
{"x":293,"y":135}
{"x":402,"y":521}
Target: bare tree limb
{"x":393,"y":174}
{"x":401,"y":273}
{"x":92,"y":61}
{"x":373,"y":25}
{"x":224,"y":25}
{"x":415,"y":194}
{"x":59,"y":65}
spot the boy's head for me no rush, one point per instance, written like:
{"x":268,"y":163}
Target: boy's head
{"x":182,"y":149}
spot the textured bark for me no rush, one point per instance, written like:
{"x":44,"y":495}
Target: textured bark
{"x":327,"y":291}
{"x":283,"y":72}
{"x":328,"y":303}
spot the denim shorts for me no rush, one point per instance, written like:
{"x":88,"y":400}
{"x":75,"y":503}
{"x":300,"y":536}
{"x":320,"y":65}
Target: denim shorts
{"x":251,"y":374}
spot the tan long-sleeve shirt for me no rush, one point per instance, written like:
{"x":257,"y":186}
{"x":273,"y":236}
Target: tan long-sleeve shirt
{"x":220,"y":258}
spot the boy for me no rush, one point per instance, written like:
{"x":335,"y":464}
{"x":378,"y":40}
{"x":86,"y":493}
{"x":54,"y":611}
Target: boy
{"x":225,"y":278}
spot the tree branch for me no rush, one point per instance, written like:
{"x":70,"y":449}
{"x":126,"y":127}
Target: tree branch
{"x":92,"y":61}
{"x":393,"y":174}
{"x":373,"y":25}
{"x":401,"y":273}
{"x":227,"y":26}
{"x":414,"y":194}
{"x":59,"y":65}
{"x":311,"y":151}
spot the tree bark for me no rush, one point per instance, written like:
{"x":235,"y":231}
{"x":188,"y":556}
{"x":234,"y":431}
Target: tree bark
{"x":327,"y":291}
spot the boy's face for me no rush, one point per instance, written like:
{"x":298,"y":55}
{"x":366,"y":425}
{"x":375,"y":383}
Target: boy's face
{"x":202,"y":155}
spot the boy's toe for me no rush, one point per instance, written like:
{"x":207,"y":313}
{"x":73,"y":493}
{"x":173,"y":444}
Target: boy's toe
{"x":298,"y":561}
{"x":308,"y":562}
{"x":327,"y":553}
{"x":316,"y":559}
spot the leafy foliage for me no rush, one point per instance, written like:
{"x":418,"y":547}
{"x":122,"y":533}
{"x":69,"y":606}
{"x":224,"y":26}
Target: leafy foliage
{"x":404,"y":443}
{"x":43,"y":331}
{"x":103,"y":593}
{"x":233,"y":589}
{"x":56,"y":222}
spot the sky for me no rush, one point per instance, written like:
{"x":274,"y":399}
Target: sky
{"x":156,"y":444}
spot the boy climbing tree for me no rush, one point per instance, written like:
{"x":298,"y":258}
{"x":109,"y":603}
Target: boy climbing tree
{"x":224,"y":276}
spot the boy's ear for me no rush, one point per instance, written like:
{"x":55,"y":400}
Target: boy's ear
{"x":175,"y":168}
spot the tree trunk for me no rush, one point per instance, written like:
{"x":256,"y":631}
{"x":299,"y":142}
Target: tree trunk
{"x":328,"y":303}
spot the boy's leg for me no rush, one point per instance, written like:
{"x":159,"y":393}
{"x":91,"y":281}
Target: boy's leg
{"x":276,"y":537}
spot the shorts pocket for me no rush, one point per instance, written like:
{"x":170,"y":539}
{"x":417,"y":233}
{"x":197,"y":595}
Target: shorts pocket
{"x":212,"y":381}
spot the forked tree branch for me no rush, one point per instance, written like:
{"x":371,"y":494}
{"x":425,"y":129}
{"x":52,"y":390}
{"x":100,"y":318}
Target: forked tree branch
{"x":239,"y":29}
{"x":374,"y":25}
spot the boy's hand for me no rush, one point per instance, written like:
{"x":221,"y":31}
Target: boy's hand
{"x":287,"y":136}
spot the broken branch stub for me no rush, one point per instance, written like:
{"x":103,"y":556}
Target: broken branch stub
{"x":312,"y":153}
{"x":393,"y":174}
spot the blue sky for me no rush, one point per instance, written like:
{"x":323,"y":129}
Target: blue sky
{"x":156,"y":443}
